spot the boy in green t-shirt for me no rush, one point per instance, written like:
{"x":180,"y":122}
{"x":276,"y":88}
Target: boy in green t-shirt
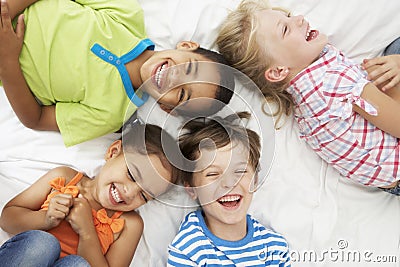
{"x":75,"y":67}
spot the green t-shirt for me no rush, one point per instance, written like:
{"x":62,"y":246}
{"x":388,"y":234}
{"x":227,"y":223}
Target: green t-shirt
{"x":90,"y":90}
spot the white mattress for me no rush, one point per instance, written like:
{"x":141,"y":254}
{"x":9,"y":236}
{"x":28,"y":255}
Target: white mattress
{"x":327,"y":220}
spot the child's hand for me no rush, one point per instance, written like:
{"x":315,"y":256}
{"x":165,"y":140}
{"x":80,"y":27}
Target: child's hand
{"x":80,"y":216}
{"x":10,"y":41}
{"x":59,"y":207}
{"x":383,"y":70}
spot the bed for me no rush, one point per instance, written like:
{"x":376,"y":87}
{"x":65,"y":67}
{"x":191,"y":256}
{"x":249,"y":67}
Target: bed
{"x":327,"y":220}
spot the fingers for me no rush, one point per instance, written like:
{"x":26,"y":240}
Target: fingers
{"x":63,"y":199}
{"x":367,"y":63}
{"x":59,"y":213}
{"x":61,"y":203}
{"x":378,"y":72}
{"x":20,"y":30}
{"x":5,"y":15}
{"x":393,"y":82}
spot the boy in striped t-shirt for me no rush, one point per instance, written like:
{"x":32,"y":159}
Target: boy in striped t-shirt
{"x":223,"y":179}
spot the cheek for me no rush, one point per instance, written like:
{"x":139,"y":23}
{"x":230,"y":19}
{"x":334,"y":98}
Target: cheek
{"x":145,"y":71}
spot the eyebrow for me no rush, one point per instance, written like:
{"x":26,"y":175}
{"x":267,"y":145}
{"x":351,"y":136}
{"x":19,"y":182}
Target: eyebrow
{"x":196,"y":65}
{"x":280,"y":28}
{"x":209,"y":167}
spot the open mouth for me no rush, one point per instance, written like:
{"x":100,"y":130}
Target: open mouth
{"x":159,"y":74}
{"x":230,"y":201}
{"x":311,"y":35}
{"x":115,"y":195}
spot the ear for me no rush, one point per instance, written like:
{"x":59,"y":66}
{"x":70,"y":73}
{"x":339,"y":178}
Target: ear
{"x":167,"y":109}
{"x":276,"y":74}
{"x":191,"y":191}
{"x":187,"y":45}
{"x":114,"y":150}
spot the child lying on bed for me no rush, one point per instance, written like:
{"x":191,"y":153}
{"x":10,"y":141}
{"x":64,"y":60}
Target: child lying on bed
{"x":94,"y":219}
{"x":344,"y":117}
{"x":83,"y":61}
{"x":223,"y":179}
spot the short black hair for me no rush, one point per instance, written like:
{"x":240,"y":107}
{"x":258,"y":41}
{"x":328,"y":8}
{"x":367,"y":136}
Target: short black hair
{"x":226,"y":85}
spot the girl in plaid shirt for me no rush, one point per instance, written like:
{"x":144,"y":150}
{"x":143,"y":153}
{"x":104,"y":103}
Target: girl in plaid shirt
{"x":341,"y":114}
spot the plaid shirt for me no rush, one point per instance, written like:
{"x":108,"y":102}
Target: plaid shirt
{"x":324,"y":94}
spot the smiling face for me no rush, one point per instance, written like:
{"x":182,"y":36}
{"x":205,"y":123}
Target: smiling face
{"x":290,"y":41}
{"x":171,"y":77}
{"x":222,"y":187}
{"x":117,"y":188}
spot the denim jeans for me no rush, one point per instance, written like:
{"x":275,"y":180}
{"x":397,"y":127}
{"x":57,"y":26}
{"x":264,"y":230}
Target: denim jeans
{"x":393,"y":48}
{"x":36,"y":248}
{"x":394,"y":190}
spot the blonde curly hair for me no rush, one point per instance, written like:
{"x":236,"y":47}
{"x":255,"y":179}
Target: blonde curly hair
{"x":237,"y":42}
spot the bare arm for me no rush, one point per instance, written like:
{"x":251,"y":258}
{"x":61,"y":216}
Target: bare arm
{"x":123,"y":249}
{"x":120,"y":252}
{"x":387,"y":105}
{"x":24,"y":104}
{"x":23,"y":212}
{"x":17,"y":6}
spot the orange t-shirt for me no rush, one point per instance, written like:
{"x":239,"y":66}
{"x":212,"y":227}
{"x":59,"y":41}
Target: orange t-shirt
{"x":69,"y":239}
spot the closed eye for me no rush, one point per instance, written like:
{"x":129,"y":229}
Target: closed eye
{"x":144,"y":197}
{"x":181,"y":95}
{"x":141,"y":193}
{"x":131,"y":176}
{"x":189,"y":68}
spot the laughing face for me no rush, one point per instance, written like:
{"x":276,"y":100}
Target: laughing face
{"x":223,"y":186}
{"x":173,"y":77}
{"x":288,"y":40}
{"x":117,"y":187}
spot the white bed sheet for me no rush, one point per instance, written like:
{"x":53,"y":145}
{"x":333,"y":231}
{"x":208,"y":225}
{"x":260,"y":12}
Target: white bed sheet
{"x":324,"y":217}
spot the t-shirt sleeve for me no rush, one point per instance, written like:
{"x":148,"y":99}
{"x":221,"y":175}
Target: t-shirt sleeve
{"x":79,"y":123}
{"x":342,"y":87}
{"x":122,"y":10}
{"x":285,"y":260}
{"x":128,"y":13}
{"x":177,"y":258}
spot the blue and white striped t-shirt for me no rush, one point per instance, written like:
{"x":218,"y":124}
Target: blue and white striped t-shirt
{"x":195,"y":245}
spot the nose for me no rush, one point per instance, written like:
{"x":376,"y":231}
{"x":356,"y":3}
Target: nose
{"x":230,"y":181}
{"x":176,"y":76}
{"x":132,"y":190}
{"x":299,"y":20}
{"x":169,"y":98}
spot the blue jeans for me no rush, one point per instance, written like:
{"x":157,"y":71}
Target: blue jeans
{"x":394,"y":190}
{"x":36,"y":248}
{"x":393,"y":48}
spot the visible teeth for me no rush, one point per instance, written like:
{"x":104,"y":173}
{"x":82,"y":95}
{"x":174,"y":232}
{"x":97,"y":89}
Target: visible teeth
{"x":159,"y":74}
{"x":115,"y":194}
{"x":229,"y":198}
